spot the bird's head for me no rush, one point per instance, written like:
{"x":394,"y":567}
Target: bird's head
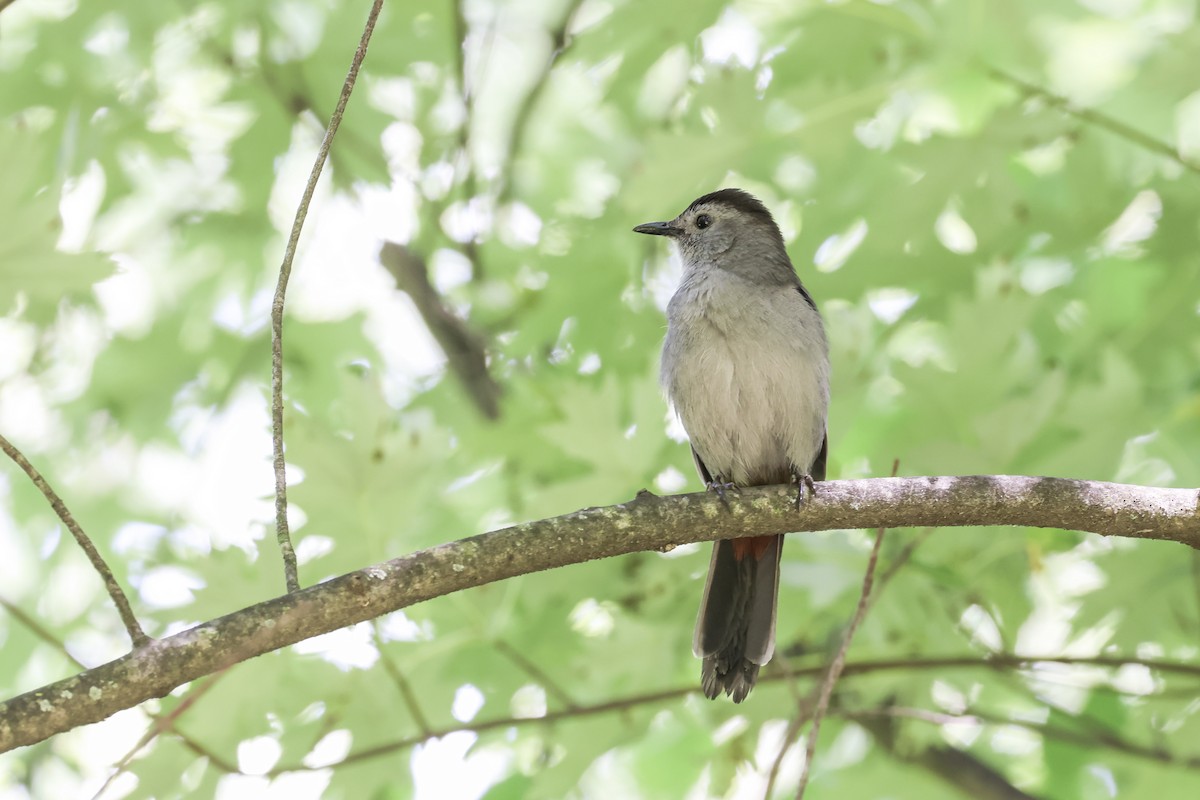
{"x":728,"y":229}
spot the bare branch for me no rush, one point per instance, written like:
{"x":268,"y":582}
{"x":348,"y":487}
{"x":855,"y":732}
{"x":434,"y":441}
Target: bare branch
{"x":804,"y":704}
{"x":804,"y":708}
{"x":38,"y":630}
{"x":163,"y":722}
{"x":560,"y":41}
{"x":853,"y":669}
{"x":464,"y":349}
{"x":839,"y":659}
{"x":839,"y":663}
{"x":902,"y":558}
{"x":1096,"y":118}
{"x":537,"y":673}
{"x":645,"y":523}
{"x":815,"y":704}
{"x":291,"y":574}
{"x":402,"y":684}
{"x":897,"y":563}
{"x":973,"y":777}
{"x":134,"y":628}
{"x":1095,"y":735}
{"x":466,"y":88}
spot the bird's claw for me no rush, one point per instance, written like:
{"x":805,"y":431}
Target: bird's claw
{"x":719,"y":485}
{"x":803,"y":480}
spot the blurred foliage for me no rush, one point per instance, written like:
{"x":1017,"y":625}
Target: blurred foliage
{"x":994,"y":204}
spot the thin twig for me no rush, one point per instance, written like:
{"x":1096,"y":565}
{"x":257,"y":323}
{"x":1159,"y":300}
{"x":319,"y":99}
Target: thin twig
{"x":462,"y":158}
{"x":291,"y":573}
{"x":495,"y":724}
{"x":902,"y":558}
{"x":804,"y":704}
{"x":406,"y":691}
{"x":853,"y":669}
{"x":560,"y":37}
{"x":839,"y":663}
{"x":37,"y":629}
{"x":1093,"y":732}
{"x":200,"y":750}
{"x":839,"y":659}
{"x":466,"y":89}
{"x":535,"y":672}
{"x":136,"y":634}
{"x":783,"y":664}
{"x":803,"y":713}
{"x":1096,"y":118}
{"x":161,"y":723}
{"x":924,"y":715}
{"x":1094,"y":735}
{"x":292,"y":101}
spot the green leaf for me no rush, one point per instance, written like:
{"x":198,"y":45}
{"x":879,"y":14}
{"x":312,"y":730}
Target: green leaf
{"x":35,"y":275}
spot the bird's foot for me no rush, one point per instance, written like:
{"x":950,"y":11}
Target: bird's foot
{"x":719,"y":485}
{"x":803,"y":480}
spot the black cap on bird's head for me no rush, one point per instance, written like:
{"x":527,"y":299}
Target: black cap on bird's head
{"x":737,"y":199}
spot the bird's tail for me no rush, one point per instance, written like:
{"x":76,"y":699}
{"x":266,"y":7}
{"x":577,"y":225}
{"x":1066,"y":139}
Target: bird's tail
{"x":735,"y":633}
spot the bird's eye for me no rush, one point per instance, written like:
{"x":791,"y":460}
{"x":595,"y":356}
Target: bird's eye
{"x":703,"y":221}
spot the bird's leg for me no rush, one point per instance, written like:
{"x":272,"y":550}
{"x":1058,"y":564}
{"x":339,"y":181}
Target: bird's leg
{"x":802,"y":479}
{"x":719,"y":485}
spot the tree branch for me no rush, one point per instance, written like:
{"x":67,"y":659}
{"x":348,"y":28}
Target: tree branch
{"x":839,"y":663}
{"x":1096,"y":118}
{"x":464,"y":349}
{"x":645,"y":523}
{"x":537,"y":673}
{"x":825,"y":692}
{"x":405,"y":688}
{"x":165,"y":722}
{"x":291,"y":575}
{"x":1095,"y":736}
{"x":560,"y":38}
{"x":132,"y":626}
{"x":37,"y":629}
{"x":973,"y":777}
{"x":853,"y":669}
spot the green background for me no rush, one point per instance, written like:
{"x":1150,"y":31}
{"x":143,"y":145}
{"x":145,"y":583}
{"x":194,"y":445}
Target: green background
{"x":996,"y":205}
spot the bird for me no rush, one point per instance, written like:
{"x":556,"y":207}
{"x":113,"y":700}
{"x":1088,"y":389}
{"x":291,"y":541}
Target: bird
{"x":745,"y":364}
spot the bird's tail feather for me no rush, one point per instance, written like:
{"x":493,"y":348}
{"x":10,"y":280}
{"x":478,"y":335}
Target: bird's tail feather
{"x":735,"y":633}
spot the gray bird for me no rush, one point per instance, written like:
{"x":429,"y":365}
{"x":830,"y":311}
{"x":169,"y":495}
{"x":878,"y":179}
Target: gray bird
{"x":746,"y":366}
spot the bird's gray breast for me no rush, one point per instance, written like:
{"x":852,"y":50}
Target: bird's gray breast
{"x":746,"y":367}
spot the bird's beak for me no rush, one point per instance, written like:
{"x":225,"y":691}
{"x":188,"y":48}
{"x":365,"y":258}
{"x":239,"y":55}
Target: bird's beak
{"x":659,"y":229}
